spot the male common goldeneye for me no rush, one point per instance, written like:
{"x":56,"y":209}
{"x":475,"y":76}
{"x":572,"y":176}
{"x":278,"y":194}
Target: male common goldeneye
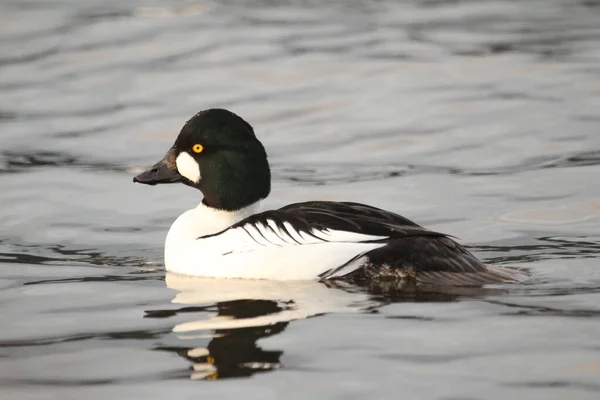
{"x":226,"y":236}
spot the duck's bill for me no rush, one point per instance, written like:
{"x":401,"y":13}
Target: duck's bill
{"x":164,"y":171}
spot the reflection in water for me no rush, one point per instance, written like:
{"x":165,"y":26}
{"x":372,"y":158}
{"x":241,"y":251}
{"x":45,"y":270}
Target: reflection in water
{"x":234,"y":352}
{"x":244,"y":311}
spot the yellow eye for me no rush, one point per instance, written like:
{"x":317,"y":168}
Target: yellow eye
{"x":197,"y":148}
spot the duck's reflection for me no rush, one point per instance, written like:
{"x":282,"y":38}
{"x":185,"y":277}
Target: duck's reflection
{"x":234,"y":352}
{"x":234,"y":314}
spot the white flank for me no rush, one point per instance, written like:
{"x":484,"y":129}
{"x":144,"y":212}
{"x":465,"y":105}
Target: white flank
{"x":188,"y":167}
{"x":261,"y":251}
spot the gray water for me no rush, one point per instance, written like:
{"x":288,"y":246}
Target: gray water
{"x":476,"y":118}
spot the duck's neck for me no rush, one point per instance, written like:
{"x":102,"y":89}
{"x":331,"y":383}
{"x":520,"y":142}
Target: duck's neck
{"x":204,"y":220}
{"x":214,"y":220}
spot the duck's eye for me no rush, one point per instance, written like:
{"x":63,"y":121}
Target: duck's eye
{"x":197,"y":148}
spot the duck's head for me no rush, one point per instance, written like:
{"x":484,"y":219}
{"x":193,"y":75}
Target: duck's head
{"x":217,"y":153}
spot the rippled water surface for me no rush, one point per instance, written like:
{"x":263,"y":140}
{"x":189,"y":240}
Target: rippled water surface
{"x":477,"y":118}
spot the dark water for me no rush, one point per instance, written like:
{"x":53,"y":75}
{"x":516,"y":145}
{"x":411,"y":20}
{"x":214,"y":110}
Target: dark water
{"x":477,"y":118}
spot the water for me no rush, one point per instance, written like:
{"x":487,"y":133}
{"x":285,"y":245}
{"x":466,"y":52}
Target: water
{"x":476,"y":118}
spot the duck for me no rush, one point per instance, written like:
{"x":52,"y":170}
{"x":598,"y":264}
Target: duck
{"x":227,"y":235}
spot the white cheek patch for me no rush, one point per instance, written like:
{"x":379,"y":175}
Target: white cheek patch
{"x":188,"y":167}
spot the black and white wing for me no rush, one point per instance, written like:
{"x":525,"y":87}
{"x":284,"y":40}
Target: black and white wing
{"x":342,"y":240}
{"x":285,"y":244}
